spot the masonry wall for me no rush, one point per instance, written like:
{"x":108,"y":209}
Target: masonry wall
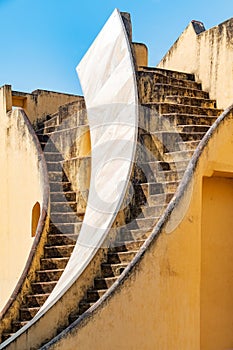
{"x":209,"y":55}
{"x":21,"y":190}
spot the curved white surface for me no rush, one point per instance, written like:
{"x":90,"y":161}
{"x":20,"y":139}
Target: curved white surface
{"x":109,"y":84}
{"x":108,"y":80}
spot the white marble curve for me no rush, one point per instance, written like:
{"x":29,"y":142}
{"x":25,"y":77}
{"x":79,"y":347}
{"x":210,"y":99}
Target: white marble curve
{"x":108,"y":80}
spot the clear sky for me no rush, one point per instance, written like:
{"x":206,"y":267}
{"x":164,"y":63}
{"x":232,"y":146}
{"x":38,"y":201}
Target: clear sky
{"x":43,"y":41}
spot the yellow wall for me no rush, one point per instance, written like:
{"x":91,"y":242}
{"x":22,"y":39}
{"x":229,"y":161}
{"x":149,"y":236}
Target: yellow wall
{"x":40,"y":103}
{"x":209,"y":55}
{"x":21,"y":187}
{"x":179,"y":295}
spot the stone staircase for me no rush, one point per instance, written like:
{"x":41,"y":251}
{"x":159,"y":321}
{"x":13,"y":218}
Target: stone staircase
{"x":174,"y":116}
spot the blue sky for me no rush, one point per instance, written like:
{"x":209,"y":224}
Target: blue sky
{"x":43,"y":41}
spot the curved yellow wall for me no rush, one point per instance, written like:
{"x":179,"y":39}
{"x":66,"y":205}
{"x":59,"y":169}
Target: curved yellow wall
{"x":21,"y":188}
{"x":179,"y":295}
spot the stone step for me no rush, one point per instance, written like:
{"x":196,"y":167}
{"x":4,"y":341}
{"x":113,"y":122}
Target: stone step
{"x":158,"y":188}
{"x":53,"y":121}
{"x":54,"y":263}
{"x":126,"y":246}
{"x":169,"y":141}
{"x":53,"y":157}
{"x":63,"y":197}
{"x":112,"y":270}
{"x":63,"y":207}
{"x":193,"y":128}
{"x":84,"y":306}
{"x":158,"y":92}
{"x":104,"y":283}
{"x":93,"y":295}
{"x":49,"y":275}
{"x":36,"y":300}
{"x":161,"y":199}
{"x":152,"y":122}
{"x":57,"y":176}
{"x":154,"y":211}
{"x":178,"y":156}
{"x":165,"y":166}
{"x":167,"y":108}
{"x":65,"y":228}
{"x":61,"y":239}
{"x":65,"y":218}
{"x":121,"y":257}
{"x":147,"y":79}
{"x":142,"y":224}
{"x":60,"y":251}
{"x":49,"y":146}
{"x":16,"y":325}
{"x":191,"y":101}
{"x":43,"y":287}
{"x":169,"y":73}
{"x":54,"y":166}
{"x":60,"y":187}
{"x":189,"y":145}
{"x":169,"y":175}
{"x":26,"y":314}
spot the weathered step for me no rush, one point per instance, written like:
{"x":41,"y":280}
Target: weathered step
{"x":60,"y":187}
{"x":175,"y":166}
{"x":132,"y":232}
{"x":147,"y":79}
{"x":169,"y":73}
{"x":36,"y":300}
{"x":143,"y":223}
{"x":43,"y":287}
{"x":65,"y":228}
{"x":178,"y":156}
{"x":26,"y":314}
{"x":154,"y":211}
{"x":121,"y":257}
{"x":158,"y":92}
{"x":167,"y":108}
{"x":93,"y":295}
{"x":189,"y":119}
{"x":54,"y":166}
{"x":62,"y":239}
{"x":189,"y":145}
{"x":63,"y":207}
{"x":104,"y":283}
{"x":158,"y":188}
{"x":54,"y":263}
{"x":192,"y":101}
{"x":84,"y":306}
{"x":169,"y":175}
{"x":58,"y":176}
{"x":157,"y":199}
{"x":63,"y":197}
{"x":48,"y":146}
{"x":65,"y":218}
{"x":53,"y":156}
{"x":60,"y":251}
{"x":168,"y":141}
{"x":112,"y":270}
{"x":49,"y":275}
{"x":193,"y":128}
{"x":126,"y":246}
{"x":16,"y":325}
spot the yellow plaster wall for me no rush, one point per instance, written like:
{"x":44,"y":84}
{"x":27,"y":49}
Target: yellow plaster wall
{"x":179,"y":295}
{"x":40,"y":103}
{"x":20,"y":188}
{"x":209,"y":55}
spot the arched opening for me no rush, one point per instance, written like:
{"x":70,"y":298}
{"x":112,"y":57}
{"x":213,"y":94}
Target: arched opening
{"x":216,"y":312}
{"x":35,"y":218}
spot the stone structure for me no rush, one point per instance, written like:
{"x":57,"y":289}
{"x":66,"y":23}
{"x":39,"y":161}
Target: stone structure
{"x":162,"y":277}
